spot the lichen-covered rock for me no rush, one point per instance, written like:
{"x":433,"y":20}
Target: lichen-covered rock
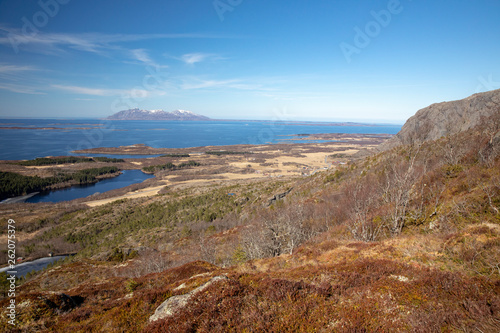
{"x":175,"y":303}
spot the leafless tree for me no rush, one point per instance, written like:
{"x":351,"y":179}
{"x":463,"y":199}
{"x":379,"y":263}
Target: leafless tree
{"x":489,"y":152}
{"x":453,"y":151}
{"x":208,"y":249}
{"x":399,"y":185}
{"x":277,"y":232}
{"x":361,"y":200}
{"x":492,"y":190}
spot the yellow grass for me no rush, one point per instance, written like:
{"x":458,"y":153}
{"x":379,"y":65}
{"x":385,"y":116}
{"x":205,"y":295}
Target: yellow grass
{"x":146,"y":192}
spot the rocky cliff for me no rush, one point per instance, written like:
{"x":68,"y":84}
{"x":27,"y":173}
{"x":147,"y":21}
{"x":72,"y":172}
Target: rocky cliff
{"x":447,"y":118}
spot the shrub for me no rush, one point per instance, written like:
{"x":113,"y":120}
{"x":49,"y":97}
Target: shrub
{"x":131,"y":285}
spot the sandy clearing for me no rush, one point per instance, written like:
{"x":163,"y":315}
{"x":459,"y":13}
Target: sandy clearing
{"x":146,"y":192}
{"x":48,"y":166}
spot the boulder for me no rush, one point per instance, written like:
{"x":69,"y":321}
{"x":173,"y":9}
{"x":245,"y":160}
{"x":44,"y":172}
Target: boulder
{"x":176,"y":303}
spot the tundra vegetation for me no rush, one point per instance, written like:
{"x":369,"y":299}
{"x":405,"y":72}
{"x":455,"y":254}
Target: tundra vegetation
{"x":405,"y":240}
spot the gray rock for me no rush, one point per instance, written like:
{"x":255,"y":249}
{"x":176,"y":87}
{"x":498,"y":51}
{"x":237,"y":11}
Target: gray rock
{"x":277,"y":197}
{"x":175,"y":303}
{"x":447,"y":118}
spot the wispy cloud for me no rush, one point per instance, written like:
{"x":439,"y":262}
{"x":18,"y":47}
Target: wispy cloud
{"x":89,"y":42}
{"x":200,"y":84}
{"x":193,"y":58}
{"x":238,"y":83}
{"x":15,"y":68}
{"x":141,"y":55}
{"x":91,"y":91}
{"x":20,"y":89}
{"x":13,"y":76}
{"x":87,"y":91}
{"x":136,"y":93}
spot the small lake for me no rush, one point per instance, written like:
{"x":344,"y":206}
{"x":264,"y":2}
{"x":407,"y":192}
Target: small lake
{"x":128,"y":177}
{"x":36,"y":265}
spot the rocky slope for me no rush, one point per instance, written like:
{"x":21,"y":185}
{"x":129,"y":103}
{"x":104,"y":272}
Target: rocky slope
{"x":447,"y":118}
{"x":137,"y":114}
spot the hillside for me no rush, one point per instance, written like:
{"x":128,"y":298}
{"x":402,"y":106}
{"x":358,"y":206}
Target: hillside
{"x":406,"y":240}
{"x":447,"y":118}
{"x":137,"y":114}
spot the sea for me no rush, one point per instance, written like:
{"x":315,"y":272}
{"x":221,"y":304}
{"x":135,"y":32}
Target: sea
{"x":31,"y":138}
{"x":22,"y":139}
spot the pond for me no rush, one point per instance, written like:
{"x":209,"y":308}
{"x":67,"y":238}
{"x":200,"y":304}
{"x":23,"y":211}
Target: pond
{"x":36,"y":265}
{"x":128,"y":177}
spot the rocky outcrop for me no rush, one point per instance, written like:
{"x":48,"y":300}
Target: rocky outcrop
{"x":176,"y":303}
{"x":447,"y":118}
{"x":277,"y":197}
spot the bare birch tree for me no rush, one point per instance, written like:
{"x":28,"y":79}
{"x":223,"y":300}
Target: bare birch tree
{"x":397,"y":193}
{"x":361,"y":198}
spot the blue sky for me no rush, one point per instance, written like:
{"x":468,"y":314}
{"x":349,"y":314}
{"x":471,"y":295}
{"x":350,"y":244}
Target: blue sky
{"x":240,"y":59}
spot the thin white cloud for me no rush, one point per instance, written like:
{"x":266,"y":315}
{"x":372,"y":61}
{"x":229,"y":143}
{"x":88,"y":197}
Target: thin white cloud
{"x":133,"y":93}
{"x":89,"y":42}
{"x":20,"y":89}
{"x":15,"y":68}
{"x":196,"y":57}
{"x":238,"y":84}
{"x":200,"y":84}
{"x":193,"y":58}
{"x":87,"y":91}
{"x":141,"y":55}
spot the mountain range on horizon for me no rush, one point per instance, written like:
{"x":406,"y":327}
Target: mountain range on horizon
{"x":138,"y":114}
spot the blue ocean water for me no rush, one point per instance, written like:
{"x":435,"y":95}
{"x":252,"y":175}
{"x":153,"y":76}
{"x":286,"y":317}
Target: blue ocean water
{"x":61,"y":137}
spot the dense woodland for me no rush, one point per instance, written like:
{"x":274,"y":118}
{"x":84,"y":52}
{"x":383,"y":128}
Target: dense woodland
{"x":41,"y":161}
{"x":170,"y":166}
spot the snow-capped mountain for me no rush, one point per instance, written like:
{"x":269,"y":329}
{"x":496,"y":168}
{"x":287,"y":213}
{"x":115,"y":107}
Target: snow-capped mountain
{"x":137,"y":114}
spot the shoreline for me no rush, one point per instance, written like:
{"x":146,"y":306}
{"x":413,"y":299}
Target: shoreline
{"x":236,"y":163}
{"x":19,"y":199}
{"x":56,"y":187}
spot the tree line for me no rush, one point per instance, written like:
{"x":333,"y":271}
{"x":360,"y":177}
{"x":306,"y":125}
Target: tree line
{"x":41,"y":161}
{"x":170,"y":166}
{"x":13,"y":184}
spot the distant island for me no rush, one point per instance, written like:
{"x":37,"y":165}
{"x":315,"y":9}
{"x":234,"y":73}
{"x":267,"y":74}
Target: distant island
{"x":137,"y":114}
